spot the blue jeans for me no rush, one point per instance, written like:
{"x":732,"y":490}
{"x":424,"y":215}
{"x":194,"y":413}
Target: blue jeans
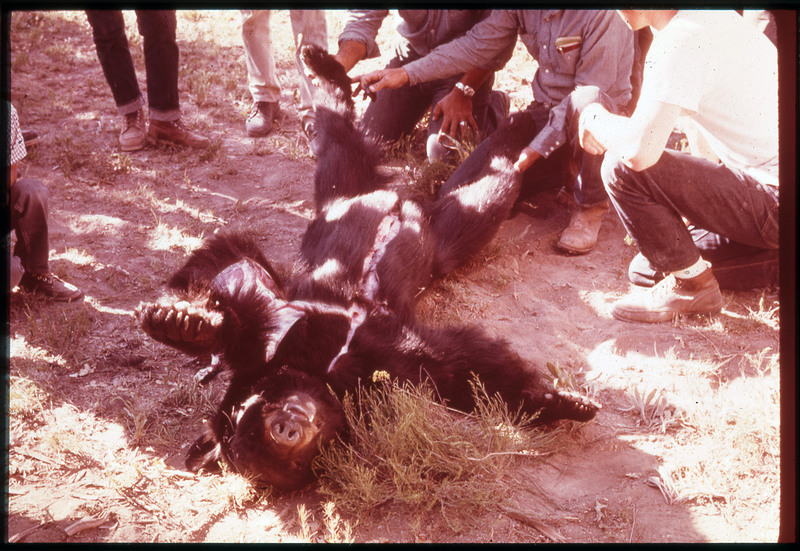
{"x":157,"y":28}
{"x":730,"y":206}
{"x":569,"y":165}
{"x":395,"y":113}
{"x":737,"y":267}
{"x":28,"y":208}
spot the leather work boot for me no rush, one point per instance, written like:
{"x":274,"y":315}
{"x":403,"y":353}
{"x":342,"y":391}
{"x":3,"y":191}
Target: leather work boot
{"x":50,"y":286}
{"x":580,"y":237}
{"x":259,"y":121}
{"x":133,"y":133}
{"x":670,"y":297}
{"x":176,"y":133}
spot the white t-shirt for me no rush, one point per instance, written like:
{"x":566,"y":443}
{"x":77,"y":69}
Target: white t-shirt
{"x":723,"y":72}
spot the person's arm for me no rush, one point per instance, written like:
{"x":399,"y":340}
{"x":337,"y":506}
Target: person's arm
{"x":350,"y":52}
{"x":638,"y":141}
{"x":488,"y":44}
{"x":357,"y":40}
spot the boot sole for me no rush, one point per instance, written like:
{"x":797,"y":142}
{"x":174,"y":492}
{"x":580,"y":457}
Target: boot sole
{"x":168,"y":141}
{"x":657,"y":317}
{"x":259,"y":133}
{"x":573,"y":251}
{"x":132,"y":147}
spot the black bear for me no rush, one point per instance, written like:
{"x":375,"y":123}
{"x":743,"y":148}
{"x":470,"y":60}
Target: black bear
{"x":347,"y":310}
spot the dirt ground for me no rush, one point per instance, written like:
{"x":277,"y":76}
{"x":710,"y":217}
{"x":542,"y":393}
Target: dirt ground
{"x":685,"y":449}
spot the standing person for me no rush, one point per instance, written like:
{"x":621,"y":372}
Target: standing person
{"x":157,"y":28}
{"x":308,"y":27}
{"x":583,"y":56}
{"x":27,"y":200}
{"x":459,"y":104}
{"x":694,"y":69}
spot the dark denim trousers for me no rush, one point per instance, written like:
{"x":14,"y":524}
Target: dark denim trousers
{"x":158,"y":30}
{"x":569,"y":165}
{"x":737,"y":267}
{"x":394,"y":113}
{"x":723,"y":207}
{"x":28,"y":206}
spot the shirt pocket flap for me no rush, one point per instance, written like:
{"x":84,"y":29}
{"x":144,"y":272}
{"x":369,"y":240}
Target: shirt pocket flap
{"x":566,"y":44}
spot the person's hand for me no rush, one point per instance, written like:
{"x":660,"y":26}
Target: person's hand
{"x":385,"y":79}
{"x":456,"y":112}
{"x":587,"y":140}
{"x":526,"y":158}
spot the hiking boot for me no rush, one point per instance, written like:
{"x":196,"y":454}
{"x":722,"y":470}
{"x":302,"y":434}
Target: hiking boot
{"x":176,"y":133}
{"x":580,"y":237}
{"x":670,"y":297}
{"x":311,"y":135}
{"x":262,"y":115}
{"x":49,"y":286}
{"x":133,"y":133}
{"x":31,"y":138}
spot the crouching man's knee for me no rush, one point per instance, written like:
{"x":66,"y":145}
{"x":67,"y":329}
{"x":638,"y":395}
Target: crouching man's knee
{"x":614,"y":174}
{"x":27,"y":193}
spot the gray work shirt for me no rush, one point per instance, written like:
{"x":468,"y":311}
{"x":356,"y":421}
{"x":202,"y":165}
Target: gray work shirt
{"x":572,"y":47}
{"x":423,"y":30}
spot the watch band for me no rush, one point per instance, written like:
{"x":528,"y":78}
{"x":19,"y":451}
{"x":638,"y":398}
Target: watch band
{"x":466,"y":89}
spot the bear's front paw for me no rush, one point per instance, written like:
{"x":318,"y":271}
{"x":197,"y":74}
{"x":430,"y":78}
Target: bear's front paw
{"x":192,"y":328}
{"x":555,"y":405}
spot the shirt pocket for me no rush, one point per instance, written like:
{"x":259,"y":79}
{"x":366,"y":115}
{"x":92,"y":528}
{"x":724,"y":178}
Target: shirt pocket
{"x":567,"y":53}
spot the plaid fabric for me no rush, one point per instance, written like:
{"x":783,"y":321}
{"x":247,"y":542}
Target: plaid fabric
{"x":16,"y":143}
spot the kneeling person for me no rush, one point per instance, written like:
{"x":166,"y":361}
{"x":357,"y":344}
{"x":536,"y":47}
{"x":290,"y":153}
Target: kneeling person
{"x":694,"y":69}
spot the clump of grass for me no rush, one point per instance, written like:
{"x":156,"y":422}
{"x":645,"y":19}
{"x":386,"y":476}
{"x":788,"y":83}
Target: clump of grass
{"x":105,"y":167}
{"x":191,"y":399}
{"x":768,"y":314}
{"x":23,"y":21}
{"x":60,"y":331}
{"x":336,"y":530}
{"x":654,"y":410}
{"x":27,"y":400}
{"x":406,"y":447}
{"x":59,"y":53}
{"x":212,"y":152}
{"x":138,"y":419}
{"x":71,"y":155}
{"x":200,"y":83}
{"x":409,"y":149}
{"x":429,"y":178}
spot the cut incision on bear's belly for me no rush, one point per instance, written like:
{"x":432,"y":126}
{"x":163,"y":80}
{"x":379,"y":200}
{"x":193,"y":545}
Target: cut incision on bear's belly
{"x":366,"y":299}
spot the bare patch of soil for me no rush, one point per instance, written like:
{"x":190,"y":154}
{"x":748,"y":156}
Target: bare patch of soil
{"x":685,"y":449}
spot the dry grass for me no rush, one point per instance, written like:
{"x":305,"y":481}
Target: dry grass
{"x":405,"y":447}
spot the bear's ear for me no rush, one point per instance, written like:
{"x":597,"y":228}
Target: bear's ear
{"x":246,"y":276}
{"x":259,"y":301}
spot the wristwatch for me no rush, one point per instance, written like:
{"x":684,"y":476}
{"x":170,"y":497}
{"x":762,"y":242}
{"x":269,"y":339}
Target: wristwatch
{"x":466,"y":89}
